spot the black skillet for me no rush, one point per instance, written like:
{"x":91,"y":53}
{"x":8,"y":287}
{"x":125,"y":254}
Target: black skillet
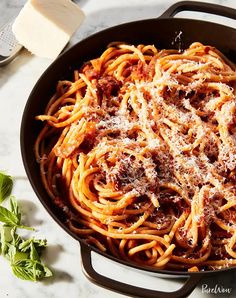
{"x":162,"y":32}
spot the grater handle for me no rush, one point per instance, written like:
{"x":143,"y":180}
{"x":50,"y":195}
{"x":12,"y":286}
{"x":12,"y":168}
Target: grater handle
{"x":9,"y":46}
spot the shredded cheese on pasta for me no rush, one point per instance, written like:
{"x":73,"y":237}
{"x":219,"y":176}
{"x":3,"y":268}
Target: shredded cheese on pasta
{"x":139,"y":151}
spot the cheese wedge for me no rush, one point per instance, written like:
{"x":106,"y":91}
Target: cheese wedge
{"x":44,"y":27}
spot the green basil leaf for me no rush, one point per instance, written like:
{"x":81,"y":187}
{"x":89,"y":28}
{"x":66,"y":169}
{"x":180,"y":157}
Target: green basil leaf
{"x":41,"y":270}
{"x":16,"y":239}
{"x":30,"y":270}
{"x":8,"y":217}
{"x":6,"y":238}
{"x":11,"y":219}
{"x":47,"y":271}
{"x":6,"y":235}
{"x":39,"y":244}
{"x":14,"y":208}
{"x":23,"y":272}
{"x":25,"y":245}
{"x":11,"y":252}
{"x":6,"y":184}
{"x":33,"y":253}
{"x":19,"y":256}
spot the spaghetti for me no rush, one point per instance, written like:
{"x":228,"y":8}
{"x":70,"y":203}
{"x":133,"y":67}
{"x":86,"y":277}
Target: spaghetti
{"x":139,"y":150}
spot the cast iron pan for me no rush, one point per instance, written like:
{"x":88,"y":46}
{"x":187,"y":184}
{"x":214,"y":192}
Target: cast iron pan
{"x":161,"y":32}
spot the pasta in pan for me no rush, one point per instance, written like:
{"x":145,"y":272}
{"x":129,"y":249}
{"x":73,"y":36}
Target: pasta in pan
{"x":139,"y":151}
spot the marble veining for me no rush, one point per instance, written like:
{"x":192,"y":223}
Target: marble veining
{"x":63,"y":253}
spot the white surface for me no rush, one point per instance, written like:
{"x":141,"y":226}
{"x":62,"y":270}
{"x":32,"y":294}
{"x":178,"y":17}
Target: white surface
{"x":63,"y":255}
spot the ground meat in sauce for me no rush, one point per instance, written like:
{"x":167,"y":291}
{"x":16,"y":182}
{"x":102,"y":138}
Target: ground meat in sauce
{"x":108,"y":86}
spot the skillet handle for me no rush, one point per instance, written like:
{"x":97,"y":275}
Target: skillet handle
{"x":130,"y":290}
{"x":199,"y":6}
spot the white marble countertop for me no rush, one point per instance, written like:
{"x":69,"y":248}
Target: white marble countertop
{"x":63,"y":253}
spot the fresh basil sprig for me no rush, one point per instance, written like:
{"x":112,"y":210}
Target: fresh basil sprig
{"x":24,"y":255}
{"x":8,"y":217}
{"x":12,"y":217}
{"x":30,"y":270}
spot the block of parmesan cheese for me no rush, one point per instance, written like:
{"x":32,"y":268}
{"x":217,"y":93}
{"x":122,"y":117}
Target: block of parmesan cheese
{"x":44,"y":27}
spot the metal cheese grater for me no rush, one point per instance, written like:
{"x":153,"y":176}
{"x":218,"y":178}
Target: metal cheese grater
{"x":9,"y":46}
